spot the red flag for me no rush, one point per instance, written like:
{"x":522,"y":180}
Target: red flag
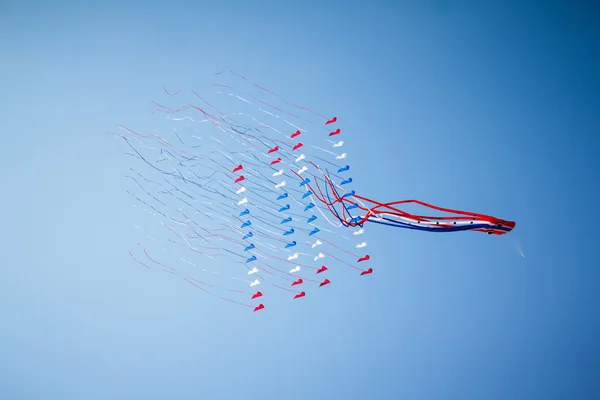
{"x":256,"y":295}
{"x":296,"y":147}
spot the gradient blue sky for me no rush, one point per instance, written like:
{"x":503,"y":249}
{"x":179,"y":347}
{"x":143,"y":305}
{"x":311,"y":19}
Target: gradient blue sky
{"x":464,"y":104}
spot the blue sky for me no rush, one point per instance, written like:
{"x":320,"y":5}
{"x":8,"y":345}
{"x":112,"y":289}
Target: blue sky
{"x":463,"y":104}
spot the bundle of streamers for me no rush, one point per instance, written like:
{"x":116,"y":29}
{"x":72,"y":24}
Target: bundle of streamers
{"x":254,"y":198}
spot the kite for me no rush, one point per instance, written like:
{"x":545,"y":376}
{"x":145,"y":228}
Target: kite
{"x":252,"y":196}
